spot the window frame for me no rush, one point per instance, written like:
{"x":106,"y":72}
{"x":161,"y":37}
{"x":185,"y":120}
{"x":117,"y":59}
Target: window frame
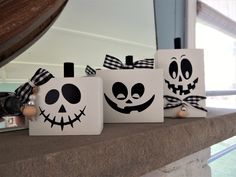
{"x":190,"y":32}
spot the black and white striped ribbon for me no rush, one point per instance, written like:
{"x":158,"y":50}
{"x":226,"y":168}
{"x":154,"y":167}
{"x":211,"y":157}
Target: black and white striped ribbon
{"x":40,"y":77}
{"x":114,"y":63}
{"x":90,"y":71}
{"x":193,"y":100}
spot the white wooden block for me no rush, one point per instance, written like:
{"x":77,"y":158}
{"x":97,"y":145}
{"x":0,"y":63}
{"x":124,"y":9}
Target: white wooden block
{"x":69,"y":106}
{"x":134,"y":95}
{"x":183,"y":80}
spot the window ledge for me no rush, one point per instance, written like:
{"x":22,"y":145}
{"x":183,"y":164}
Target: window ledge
{"x":121,"y":149}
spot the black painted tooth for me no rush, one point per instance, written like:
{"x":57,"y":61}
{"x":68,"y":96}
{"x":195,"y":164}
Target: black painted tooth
{"x":77,"y":117}
{"x":174,"y":90}
{"x":48,"y":116}
{"x":62,"y":123}
{"x":186,"y":92}
{"x":41,"y":111}
{"x":168,"y":84}
{"x":180,"y":88}
{"x":82,"y":111}
{"x":53,"y":121}
{"x":71,"y":122}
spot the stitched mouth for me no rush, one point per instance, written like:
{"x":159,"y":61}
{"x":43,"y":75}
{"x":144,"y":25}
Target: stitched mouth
{"x":62,"y":123}
{"x":129,"y":109}
{"x":180,"y":89}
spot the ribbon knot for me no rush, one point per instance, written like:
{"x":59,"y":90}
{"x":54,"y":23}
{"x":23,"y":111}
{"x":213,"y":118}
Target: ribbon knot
{"x":40,"y":77}
{"x":111,"y":62}
{"x":193,"y":100}
{"x":31,"y":84}
{"x":114,"y":63}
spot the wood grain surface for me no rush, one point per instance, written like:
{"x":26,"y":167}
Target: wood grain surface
{"x":22,"y":22}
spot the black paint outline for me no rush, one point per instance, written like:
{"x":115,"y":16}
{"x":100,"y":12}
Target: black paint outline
{"x":174,"y":89}
{"x":62,"y":123}
{"x":129,"y":109}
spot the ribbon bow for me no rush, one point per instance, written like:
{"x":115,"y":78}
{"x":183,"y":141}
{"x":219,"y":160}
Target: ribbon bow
{"x":40,"y":77}
{"x":90,"y":71}
{"x":193,"y":100}
{"x":114,"y":63}
{"x":111,"y":62}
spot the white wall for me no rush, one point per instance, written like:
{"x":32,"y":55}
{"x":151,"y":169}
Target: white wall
{"x":84,"y":33}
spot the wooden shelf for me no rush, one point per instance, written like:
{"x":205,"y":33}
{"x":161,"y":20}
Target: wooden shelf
{"x":121,"y":149}
{"x":22,"y":22}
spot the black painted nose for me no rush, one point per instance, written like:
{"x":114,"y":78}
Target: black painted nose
{"x":180,"y":78}
{"x":62,"y":109}
{"x":128,"y":101}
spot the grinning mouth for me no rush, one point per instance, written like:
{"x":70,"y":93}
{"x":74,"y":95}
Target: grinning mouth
{"x":62,"y":123}
{"x":179,"y":88}
{"x":129,"y":109}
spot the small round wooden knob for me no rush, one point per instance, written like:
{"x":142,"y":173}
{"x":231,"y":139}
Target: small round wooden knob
{"x":35,"y":90}
{"x":29,"y":111}
{"x":183,"y":112}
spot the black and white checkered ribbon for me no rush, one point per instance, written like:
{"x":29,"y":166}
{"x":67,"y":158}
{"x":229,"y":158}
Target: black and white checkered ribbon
{"x":114,"y":63}
{"x":90,"y":71}
{"x":111,"y":62}
{"x":193,"y":100}
{"x":40,"y":77}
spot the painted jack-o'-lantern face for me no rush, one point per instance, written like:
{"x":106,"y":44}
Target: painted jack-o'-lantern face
{"x":181,"y":71}
{"x":128,"y":100}
{"x":64,"y":103}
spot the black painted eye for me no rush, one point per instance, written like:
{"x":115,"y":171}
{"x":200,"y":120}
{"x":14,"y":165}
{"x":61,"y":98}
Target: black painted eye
{"x":137,"y":91}
{"x":120,"y":91}
{"x":173,"y":69}
{"x":71,"y":93}
{"x":52,"y":96}
{"x":186,"y":68}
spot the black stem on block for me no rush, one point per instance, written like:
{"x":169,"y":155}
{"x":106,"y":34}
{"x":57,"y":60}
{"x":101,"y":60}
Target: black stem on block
{"x":177,"y":43}
{"x":129,"y":60}
{"x":68,"y":69}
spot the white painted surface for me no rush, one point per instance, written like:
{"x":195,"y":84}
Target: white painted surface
{"x":188,"y":74}
{"x":151,"y":79}
{"x":82,"y":116}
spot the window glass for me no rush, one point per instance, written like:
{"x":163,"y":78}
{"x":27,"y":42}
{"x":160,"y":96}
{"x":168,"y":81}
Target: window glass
{"x":220,"y":57}
{"x":220,"y":63}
